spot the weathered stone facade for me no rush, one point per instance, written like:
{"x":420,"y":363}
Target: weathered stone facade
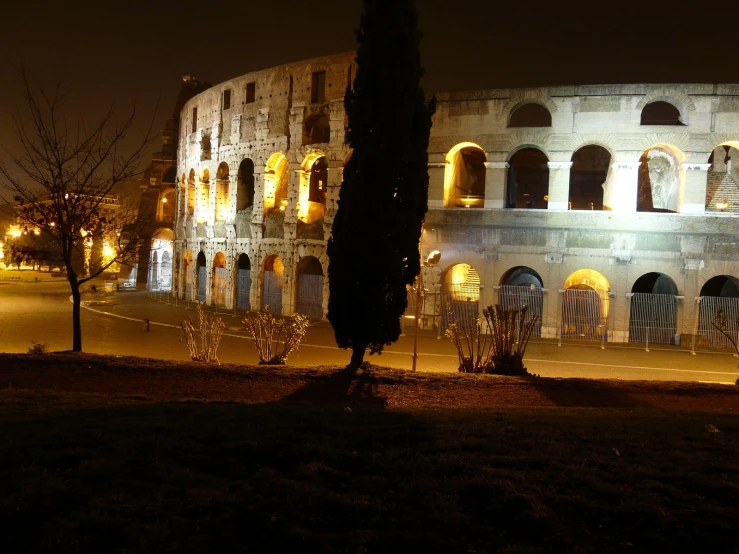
{"x":546,"y":181}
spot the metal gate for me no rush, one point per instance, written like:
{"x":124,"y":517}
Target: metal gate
{"x":708,"y":335}
{"x":653,"y":318}
{"x":310,"y":296}
{"x":220,"y":284}
{"x":584,"y":315}
{"x":272,"y":297}
{"x":516,"y":297}
{"x":165,"y":281}
{"x":202,"y":283}
{"x":243,"y":290}
{"x":460,"y":304}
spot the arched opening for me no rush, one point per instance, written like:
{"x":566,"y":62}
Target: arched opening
{"x":187,"y":269}
{"x":275,"y":183}
{"x":154,"y":271}
{"x":203,"y":208}
{"x":719,"y":302}
{"x":530,"y":115}
{"x":660,"y":180}
{"x":168,"y":206}
{"x":585,"y":306}
{"x":464,"y":177}
{"x":202,"y":276}
{"x":191,"y":193}
{"x":245,"y":191}
{"x":243,"y":283}
{"x":313,"y":188}
{"x":660,"y":113}
{"x":588,"y":177}
{"x":219,"y":283}
{"x":723,"y":179}
{"x":460,"y":297}
{"x":310,"y":288}
{"x":222,"y":184}
{"x":274,"y":279}
{"x":317,"y":129}
{"x":528,"y":179}
{"x":653,"y":310}
{"x":165,"y":278}
{"x":522,"y":287}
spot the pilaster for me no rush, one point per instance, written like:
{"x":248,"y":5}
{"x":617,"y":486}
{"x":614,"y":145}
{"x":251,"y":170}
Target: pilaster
{"x":559,"y":185}
{"x":693,"y":199}
{"x":495,"y":184}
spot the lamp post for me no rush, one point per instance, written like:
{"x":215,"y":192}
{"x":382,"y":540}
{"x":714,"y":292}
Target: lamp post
{"x":430,"y":261}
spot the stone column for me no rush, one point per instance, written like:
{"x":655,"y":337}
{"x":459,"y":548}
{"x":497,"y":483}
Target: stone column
{"x":496,"y":174}
{"x":257,"y":214}
{"x":291,"y":211}
{"x":559,"y":185}
{"x":688,"y":309}
{"x":624,"y":184}
{"x":233,"y":195}
{"x":436,"y":184}
{"x":551,"y":316}
{"x":618,"y":319}
{"x":693,"y":197}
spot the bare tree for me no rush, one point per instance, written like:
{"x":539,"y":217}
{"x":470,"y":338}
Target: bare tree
{"x":62,"y":179}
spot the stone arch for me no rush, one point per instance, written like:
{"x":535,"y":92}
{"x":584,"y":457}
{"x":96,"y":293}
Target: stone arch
{"x":723,"y":286}
{"x":521,"y":276}
{"x":723,"y":174}
{"x":188,"y":275}
{"x":522,"y":288}
{"x":660,"y":112}
{"x":527,"y":183}
{"x":203,"y":207}
{"x":309,"y":293}
{"x":273,"y":281}
{"x":276,"y":180}
{"x":201,"y":276}
{"x":154,"y":271}
{"x":653,"y":309}
{"x":219,"y":280}
{"x":530,"y":114}
{"x":223,"y":183}
{"x":245,"y":188}
{"x":661,"y":179}
{"x":317,"y":129}
{"x":677,"y":98}
{"x":585,"y":305}
{"x":313,"y":187}
{"x":464,"y":176}
{"x":589,"y":177}
{"x":243,"y":282}
{"x":460,"y":296}
{"x":528,"y":96}
{"x":165,"y":272}
{"x":584,"y":279}
{"x":191,"y":193}
{"x":168,"y":205}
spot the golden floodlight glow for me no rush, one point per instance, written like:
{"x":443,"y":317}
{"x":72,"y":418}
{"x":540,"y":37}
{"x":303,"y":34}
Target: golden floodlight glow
{"x":164,"y":200}
{"x":14,"y":231}
{"x":108,"y":251}
{"x":465,"y":283}
{"x":721,"y":206}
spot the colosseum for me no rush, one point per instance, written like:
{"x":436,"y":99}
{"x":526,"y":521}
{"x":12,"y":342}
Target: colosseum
{"x":610,"y":211}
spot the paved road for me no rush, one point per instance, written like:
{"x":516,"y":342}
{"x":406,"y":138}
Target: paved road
{"x":112,"y":325}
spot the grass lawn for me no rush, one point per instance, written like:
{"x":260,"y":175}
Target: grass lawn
{"x":90,"y":472}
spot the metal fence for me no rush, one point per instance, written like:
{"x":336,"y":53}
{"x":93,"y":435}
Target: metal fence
{"x":653,"y":319}
{"x":707,"y":334}
{"x":584,"y":315}
{"x":460,"y":304}
{"x":310,"y":296}
{"x":272,"y":298}
{"x":243,"y":289}
{"x":518,"y":297}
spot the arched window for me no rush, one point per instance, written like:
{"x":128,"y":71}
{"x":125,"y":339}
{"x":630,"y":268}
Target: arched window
{"x":222,"y":185}
{"x":318,"y":181}
{"x":659,"y":180}
{"x":660,"y":113}
{"x":243,"y":283}
{"x":531,"y":115}
{"x":245,"y":192}
{"x":460,"y":297}
{"x":464,"y":179}
{"x":653,"y":310}
{"x":310,"y":288}
{"x":588,"y":176}
{"x":275,"y":183}
{"x":219,"y":283}
{"x":317,"y":129}
{"x":274,"y":278}
{"x":191,"y":193}
{"x":528,"y":180}
{"x":313,"y":188}
{"x":168,"y":206}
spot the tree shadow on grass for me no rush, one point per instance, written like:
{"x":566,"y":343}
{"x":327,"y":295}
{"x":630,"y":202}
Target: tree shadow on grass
{"x":350,"y":386}
{"x":586,"y":393}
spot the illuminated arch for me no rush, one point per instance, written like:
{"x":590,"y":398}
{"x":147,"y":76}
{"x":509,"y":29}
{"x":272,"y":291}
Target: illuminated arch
{"x":588,"y":278}
{"x":276,"y":179}
{"x":203,"y":207}
{"x":191,"y":193}
{"x":273,"y":280}
{"x":219,"y":280}
{"x":222,"y":185}
{"x":661,"y":179}
{"x":462,"y":282}
{"x":313,"y":187}
{"x":464,"y":176}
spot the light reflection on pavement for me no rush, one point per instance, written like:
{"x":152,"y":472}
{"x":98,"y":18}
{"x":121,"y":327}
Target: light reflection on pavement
{"x":111,"y":324}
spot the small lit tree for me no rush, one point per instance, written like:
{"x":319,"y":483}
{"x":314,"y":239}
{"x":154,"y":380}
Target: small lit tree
{"x":61,"y":181}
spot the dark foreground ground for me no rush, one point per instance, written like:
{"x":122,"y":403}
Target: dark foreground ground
{"x":124,"y":455}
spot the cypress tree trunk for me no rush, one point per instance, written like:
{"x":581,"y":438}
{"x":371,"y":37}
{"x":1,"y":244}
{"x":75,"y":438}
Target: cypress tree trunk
{"x":76,"y":323}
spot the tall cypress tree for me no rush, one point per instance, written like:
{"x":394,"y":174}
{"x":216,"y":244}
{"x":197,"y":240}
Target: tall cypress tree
{"x":373,"y":253}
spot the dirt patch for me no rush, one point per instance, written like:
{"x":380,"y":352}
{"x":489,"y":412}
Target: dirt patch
{"x":159,"y":380}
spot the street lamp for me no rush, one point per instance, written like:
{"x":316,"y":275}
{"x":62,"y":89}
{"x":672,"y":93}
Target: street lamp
{"x":431,"y":260}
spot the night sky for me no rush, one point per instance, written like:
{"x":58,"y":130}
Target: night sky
{"x":117,"y":51}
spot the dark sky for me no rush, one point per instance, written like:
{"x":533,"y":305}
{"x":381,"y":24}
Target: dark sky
{"x":119,"y":50}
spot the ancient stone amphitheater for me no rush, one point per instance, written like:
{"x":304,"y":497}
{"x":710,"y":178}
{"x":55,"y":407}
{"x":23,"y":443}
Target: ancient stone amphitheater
{"x":610,"y":211}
